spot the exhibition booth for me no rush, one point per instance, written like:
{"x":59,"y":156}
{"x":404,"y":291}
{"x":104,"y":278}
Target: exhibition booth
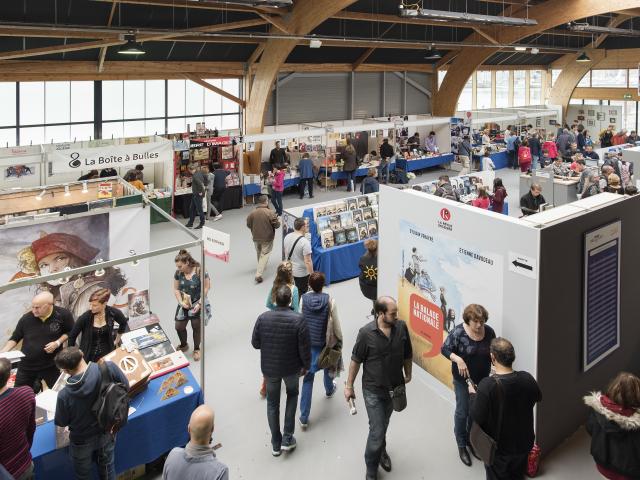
{"x":337,"y":232}
{"x":77,"y":242}
{"x":551,"y":282}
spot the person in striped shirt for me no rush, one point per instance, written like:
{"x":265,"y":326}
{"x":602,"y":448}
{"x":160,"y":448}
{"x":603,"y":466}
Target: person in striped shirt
{"x":17,"y":425}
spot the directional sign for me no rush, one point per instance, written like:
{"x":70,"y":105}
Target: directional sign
{"x":523,"y":265}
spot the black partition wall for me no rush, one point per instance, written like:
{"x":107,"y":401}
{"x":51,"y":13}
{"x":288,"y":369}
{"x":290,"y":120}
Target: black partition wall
{"x":560,"y":326}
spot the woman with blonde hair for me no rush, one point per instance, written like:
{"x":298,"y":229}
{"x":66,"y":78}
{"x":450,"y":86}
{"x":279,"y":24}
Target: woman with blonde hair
{"x":614,"y":426}
{"x":187,"y":290}
{"x":284,"y":276}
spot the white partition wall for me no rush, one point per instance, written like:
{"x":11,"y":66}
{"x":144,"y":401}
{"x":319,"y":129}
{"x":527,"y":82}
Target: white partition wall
{"x":464,"y":255}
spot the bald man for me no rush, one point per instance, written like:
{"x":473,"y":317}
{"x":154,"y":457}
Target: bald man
{"x":43,"y":330}
{"x":197,"y":461}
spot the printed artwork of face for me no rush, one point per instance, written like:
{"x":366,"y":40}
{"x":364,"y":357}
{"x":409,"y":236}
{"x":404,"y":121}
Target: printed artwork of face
{"x":54,"y":263}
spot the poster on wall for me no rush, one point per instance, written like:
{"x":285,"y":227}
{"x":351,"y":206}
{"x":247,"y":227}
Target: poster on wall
{"x":601,"y":293}
{"x":437,"y":277}
{"x":50,"y":247}
{"x":458,"y":130}
{"x":15,"y":172}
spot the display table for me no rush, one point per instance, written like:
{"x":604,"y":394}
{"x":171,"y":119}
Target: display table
{"x":163,"y":203}
{"x":153,"y":429}
{"x":337,"y":263}
{"x":425,"y":162}
{"x":499,"y":159}
{"x":231,"y":198}
{"x":254,"y":188}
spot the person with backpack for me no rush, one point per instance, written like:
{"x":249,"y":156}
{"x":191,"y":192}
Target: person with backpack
{"x":94,"y":404}
{"x":524,"y":156}
{"x":512,"y":142}
{"x":445,"y":190}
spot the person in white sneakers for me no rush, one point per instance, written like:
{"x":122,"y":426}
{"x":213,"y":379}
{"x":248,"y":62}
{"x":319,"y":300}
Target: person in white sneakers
{"x":211,"y":208}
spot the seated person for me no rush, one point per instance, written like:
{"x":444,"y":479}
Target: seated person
{"x":414,"y":141}
{"x":370,"y":183}
{"x":483,"y":198}
{"x":559,"y":168}
{"x":614,"y":185}
{"x":589,"y":153}
{"x":530,"y":202}
{"x":371,"y":157}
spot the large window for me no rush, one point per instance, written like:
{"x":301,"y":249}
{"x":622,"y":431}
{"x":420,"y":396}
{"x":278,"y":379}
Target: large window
{"x":465,"y":102}
{"x":483,"y":89}
{"x":555,"y":73}
{"x":585,"y":81}
{"x":519,"y":88}
{"x":441,"y":74}
{"x":64,"y":111}
{"x":609,"y":78}
{"x":535,"y":87}
{"x":502,"y":88}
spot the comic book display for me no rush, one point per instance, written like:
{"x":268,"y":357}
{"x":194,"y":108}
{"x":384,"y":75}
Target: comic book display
{"x":347,"y":221}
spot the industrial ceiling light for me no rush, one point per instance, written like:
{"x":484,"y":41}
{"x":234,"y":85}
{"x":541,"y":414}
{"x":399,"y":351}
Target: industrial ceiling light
{"x":433,"y":54}
{"x":583,"y":58}
{"x":447,"y":16}
{"x":132,"y":47}
{"x":585,"y":27}
{"x":520,"y":49}
{"x":41,"y":194}
{"x":315,"y":43}
{"x":535,"y":51}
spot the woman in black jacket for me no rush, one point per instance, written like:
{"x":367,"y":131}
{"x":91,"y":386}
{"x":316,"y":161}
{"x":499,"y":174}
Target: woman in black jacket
{"x":96,"y":326}
{"x":614,"y":426}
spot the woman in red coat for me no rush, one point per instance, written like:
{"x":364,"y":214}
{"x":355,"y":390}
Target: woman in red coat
{"x":524,"y":156}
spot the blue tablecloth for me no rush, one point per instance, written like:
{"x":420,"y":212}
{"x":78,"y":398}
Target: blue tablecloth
{"x":153,"y":429}
{"x":500,"y":160}
{"x":254,"y":188}
{"x":337,"y":263}
{"x":426,"y":162}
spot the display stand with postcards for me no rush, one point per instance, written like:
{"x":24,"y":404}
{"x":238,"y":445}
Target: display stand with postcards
{"x":337,"y":231}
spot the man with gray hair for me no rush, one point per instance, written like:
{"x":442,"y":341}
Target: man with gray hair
{"x":197,"y":461}
{"x":263,"y":223}
{"x":283,"y":339}
{"x":42,"y":330}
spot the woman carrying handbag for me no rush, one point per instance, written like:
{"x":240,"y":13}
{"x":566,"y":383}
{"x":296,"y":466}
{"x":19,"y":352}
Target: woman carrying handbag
{"x":321,"y":316}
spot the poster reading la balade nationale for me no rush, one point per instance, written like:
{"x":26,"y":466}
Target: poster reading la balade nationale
{"x":439,"y":276}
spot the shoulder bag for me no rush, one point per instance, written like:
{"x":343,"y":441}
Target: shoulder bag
{"x":484,"y":445}
{"x":293,"y":247}
{"x":332,"y":351}
{"x":398,"y":393}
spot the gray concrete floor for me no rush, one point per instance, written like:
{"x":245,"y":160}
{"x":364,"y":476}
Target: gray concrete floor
{"x":420,"y":439}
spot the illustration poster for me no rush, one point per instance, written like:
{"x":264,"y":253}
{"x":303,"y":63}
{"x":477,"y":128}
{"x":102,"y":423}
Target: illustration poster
{"x":438,"y":277}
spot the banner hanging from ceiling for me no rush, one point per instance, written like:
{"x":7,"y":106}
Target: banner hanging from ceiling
{"x":70,"y":157}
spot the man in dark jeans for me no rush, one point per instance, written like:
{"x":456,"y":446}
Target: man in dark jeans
{"x":73,"y":409}
{"x":384,"y":347}
{"x":518,"y":393}
{"x":306,"y":171}
{"x":282,"y":337}
{"x":219,"y":185}
{"x":199,"y":184}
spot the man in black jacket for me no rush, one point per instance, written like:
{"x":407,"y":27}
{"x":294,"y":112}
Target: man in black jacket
{"x":87,"y":441}
{"x":512,"y":394}
{"x":278,"y":156}
{"x":386,"y":157}
{"x":530,"y":202}
{"x":282,"y":337}
{"x":199,"y":184}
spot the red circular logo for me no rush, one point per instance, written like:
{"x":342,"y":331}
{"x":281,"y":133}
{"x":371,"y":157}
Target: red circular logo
{"x":445,"y":214}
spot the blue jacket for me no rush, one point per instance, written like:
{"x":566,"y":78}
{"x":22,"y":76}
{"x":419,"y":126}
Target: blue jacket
{"x":282,"y":337}
{"x":315,"y":310}
{"x":75,"y":400}
{"x":305,"y":167}
{"x":369,"y":185}
{"x":510,"y":140}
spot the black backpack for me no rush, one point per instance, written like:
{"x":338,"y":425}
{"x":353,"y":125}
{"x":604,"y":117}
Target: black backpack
{"x":111,"y":408}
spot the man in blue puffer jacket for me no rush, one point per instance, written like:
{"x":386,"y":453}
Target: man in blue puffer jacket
{"x":317,"y":307}
{"x":282,"y":337}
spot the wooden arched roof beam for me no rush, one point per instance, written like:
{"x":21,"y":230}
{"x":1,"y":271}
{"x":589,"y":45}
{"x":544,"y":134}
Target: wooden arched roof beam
{"x":548,"y":14}
{"x":305,"y":16}
{"x":572,"y":71}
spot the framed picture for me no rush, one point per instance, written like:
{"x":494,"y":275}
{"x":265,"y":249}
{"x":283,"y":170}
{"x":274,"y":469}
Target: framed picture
{"x":613,"y":112}
{"x":612,"y":120}
{"x":591,"y":123}
{"x":580,"y":117}
{"x":600,"y":116}
{"x":580,"y":112}
{"x":591,"y":113}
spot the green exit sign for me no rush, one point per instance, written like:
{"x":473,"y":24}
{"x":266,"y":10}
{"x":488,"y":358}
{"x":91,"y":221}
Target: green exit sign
{"x":627,"y":96}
